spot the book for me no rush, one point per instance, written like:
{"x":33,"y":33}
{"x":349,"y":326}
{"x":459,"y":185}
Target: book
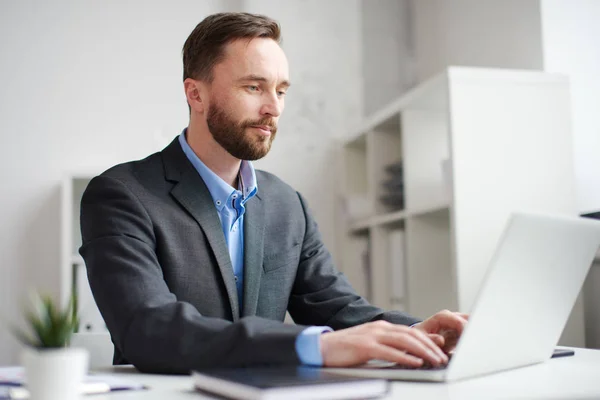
{"x":290,"y":383}
{"x":13,"y":384}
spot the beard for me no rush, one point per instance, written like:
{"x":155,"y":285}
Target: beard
{"x":232,"y":136}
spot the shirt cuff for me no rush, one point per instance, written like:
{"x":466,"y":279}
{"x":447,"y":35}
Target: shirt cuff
{"x":308,"y":345}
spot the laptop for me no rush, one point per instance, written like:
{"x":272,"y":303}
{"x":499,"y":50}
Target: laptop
{"x":523,"y":303}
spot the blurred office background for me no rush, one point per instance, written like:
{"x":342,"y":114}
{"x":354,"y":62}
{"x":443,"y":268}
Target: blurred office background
{"x":87,"y":84}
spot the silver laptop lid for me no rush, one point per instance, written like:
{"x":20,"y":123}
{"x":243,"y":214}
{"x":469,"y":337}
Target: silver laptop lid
{"x":527,"y":295}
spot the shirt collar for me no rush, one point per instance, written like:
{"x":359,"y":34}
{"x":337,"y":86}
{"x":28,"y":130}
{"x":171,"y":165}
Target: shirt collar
{"x":248,"y":184}
{"x":220,"y":190}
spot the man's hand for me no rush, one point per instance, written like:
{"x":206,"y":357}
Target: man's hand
{"x":444,"y":328}
{"x":380,"y":340}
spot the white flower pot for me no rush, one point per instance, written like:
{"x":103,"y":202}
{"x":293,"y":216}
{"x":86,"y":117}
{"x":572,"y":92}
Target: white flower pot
{"x":52,"y":374}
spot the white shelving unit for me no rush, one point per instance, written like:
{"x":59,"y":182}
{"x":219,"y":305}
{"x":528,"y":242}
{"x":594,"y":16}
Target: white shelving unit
{"x":73,"y":272}
{"x":475,"y":145}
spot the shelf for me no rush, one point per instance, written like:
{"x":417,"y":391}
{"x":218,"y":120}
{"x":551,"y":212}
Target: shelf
{"x":361,"y":225}
{"x":76,"y":259}
{"x":453,"y":136}
{"x":435,"y":209}
{"x":389,"y":218}
{"x":429,"y":96}
{"x":357,"y":142}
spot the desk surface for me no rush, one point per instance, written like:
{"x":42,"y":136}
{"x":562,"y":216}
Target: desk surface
{"x":569,"y":377}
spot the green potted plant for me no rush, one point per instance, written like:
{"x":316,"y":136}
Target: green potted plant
{"x":53,"y":370}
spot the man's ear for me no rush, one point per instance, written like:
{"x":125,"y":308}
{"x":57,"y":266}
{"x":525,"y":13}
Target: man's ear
{"x":195,"y":94}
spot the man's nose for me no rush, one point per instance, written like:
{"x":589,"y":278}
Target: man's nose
{"x":271,"y":106}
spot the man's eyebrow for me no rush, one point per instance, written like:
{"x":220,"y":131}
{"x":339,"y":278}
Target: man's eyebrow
{"x":259,"y":78}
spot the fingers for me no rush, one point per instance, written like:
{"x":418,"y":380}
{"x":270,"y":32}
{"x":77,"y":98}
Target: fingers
{"x":462,"y":315}
{"x":387,"y":353}
{"x":410,"y":339}
{"x":425,"y":339}
{"x":437,"y":339}
{"x":413,"y":345}
{"x":450,"y":341}
{"x":450,"y":320}
{"x":385,"y":341}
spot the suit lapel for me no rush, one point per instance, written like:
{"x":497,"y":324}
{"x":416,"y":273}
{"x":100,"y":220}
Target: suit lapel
{"x":254,"y":227}
{"x":193,"y":195}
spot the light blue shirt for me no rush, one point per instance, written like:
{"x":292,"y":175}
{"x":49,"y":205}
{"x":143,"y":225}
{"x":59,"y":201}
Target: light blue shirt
{"x":230,"y":204}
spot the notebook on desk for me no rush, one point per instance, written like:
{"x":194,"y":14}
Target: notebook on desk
{"x":523,"y":303}
{"x":290,"y":383}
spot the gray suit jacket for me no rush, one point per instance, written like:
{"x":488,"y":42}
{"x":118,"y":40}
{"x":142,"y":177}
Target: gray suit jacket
{"x":161,"y":275}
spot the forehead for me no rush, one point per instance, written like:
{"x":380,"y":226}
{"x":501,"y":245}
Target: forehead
{"x":259,"y":56}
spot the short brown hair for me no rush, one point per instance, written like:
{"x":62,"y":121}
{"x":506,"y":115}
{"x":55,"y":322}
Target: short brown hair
{"x":203,"y":49}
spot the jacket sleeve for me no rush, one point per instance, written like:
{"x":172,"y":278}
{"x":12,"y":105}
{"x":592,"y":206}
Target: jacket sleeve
{"x":150,"y":327}
{"x":322,"y":295}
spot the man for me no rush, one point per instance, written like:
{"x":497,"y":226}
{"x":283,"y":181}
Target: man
{"x":194,"y":257}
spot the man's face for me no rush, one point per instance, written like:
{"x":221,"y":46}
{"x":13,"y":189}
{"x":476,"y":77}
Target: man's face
{"x":246,"y":97}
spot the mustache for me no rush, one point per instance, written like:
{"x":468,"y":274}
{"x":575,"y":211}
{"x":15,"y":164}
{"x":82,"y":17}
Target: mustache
{"x":263,"y":121}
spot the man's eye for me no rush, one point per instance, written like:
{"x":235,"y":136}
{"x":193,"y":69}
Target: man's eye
{"x":253,"y":88}
{"x":281,"y":93}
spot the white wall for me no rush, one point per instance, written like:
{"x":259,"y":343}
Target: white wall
{"x":89,"y":84}
{"x":388,"y":60}
{"x":571,"y":46}
{"x":571,"y":43}
{"x":478,"y":33}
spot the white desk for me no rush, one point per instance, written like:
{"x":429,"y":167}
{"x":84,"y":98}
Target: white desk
{"x":564,"y":378}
